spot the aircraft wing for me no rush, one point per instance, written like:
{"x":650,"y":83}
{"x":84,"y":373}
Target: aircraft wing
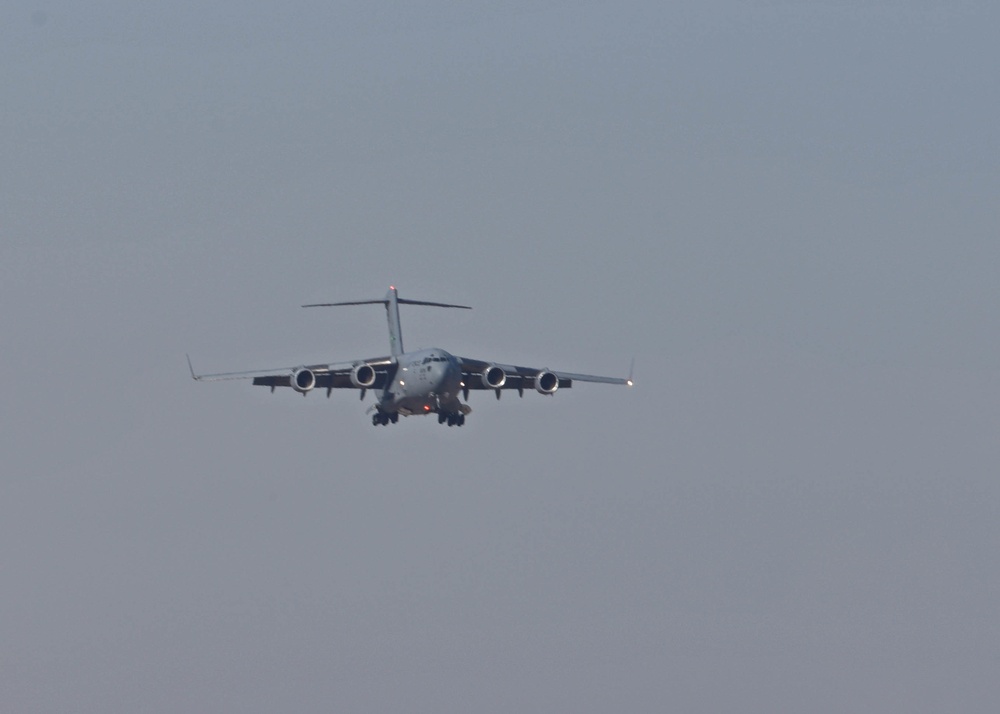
{"x":327,"y":376}
{"x":516,"y":377}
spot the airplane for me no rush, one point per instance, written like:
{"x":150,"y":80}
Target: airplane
{"x":428,"y":381}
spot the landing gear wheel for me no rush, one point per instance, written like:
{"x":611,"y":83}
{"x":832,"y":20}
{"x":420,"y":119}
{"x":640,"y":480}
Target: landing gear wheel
{"x":461,"y":420}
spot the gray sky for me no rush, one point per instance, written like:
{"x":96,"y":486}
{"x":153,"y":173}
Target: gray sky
{"x":786,"y":211}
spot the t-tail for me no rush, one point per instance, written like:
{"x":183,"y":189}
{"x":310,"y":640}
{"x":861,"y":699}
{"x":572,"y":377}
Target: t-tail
{"x":392,"y":301}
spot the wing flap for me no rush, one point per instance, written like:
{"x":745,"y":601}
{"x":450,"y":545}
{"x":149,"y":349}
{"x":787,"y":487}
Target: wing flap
{"x":524,"y":377}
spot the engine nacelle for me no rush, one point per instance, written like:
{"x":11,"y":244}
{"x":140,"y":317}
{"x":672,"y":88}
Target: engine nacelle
{"x":546,"y":383}
{"x":302,"y":380}
{"x":363,"y":376}
{"x":493,"y":377}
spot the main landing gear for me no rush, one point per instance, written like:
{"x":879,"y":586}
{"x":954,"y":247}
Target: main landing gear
{"x":451,"y":418}
{"x":383,"y":418}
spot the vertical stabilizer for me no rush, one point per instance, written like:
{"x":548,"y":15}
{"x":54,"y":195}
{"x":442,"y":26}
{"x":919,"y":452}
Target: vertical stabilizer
{"x":395,"y":330}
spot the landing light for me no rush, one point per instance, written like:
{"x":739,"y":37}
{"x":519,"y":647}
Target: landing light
{"x":629,"y":382}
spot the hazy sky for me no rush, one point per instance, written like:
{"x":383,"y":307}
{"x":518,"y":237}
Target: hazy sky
{"x":787,"y":211}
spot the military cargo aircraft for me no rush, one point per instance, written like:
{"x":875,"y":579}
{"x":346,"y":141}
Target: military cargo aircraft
{"x":428,"y":381}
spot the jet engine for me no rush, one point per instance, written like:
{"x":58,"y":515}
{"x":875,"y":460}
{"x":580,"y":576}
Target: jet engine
{"x":363,"y":376}
{"x":493,"y":377}
{"x":546,"y":382}
{"x":302,"y":380}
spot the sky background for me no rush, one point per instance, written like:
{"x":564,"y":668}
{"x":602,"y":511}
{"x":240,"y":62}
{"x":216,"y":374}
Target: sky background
{"x":787,"y":211}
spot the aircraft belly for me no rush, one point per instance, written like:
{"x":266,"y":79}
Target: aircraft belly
{"x":425,"y":397}
{"x":415,"y":400}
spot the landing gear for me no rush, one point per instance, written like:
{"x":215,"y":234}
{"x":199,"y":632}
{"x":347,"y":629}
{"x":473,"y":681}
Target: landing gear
{"x":453,"y":419}
{"x":383,"y":418}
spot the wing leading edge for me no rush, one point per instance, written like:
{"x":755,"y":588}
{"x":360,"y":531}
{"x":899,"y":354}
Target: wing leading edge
{"x":327,"y":376}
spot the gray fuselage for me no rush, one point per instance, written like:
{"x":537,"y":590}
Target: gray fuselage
{"x":425,"y":382}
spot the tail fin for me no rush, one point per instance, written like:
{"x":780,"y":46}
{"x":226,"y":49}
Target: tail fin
{"x":392,"y":301}
{"x":395,"y":329}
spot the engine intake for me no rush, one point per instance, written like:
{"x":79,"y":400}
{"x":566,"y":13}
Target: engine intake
{"x":363,"y":376}
{"x":546,"y":382}
{"x":302,"y":380}
{"x":494,"y":377}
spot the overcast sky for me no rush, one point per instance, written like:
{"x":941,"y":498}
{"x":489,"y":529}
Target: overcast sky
{"x":787,"y":211}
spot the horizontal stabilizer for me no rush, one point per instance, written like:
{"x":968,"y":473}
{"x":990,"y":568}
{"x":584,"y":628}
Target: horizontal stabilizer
{"x":355,"y":302}
{"x":401,"y":301}
{"x":391,"y":301}
{"x":404,"y":301}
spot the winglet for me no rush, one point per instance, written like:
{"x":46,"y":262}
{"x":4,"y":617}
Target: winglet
{"x":194,"y":376}
{"x":631,"y":369}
